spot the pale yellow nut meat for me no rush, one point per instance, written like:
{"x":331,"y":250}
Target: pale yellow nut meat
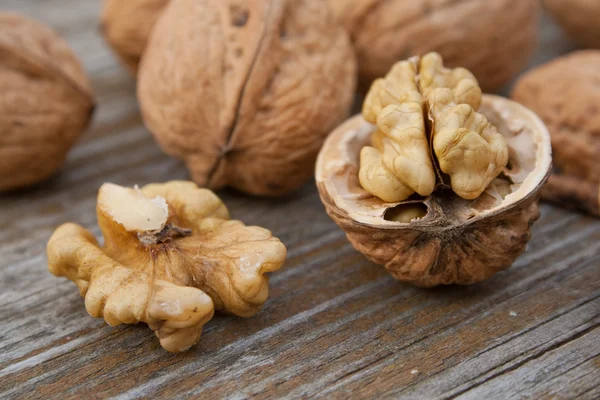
{"x":124,"y":296}
{"x":464,"y":85}
{"x":405,"y":148}
{"x":468,"y":148}
{"x":398,"y":86}
{"x":378,"y":180}
{"x":398,"y":165}
{"x":171,"y":256}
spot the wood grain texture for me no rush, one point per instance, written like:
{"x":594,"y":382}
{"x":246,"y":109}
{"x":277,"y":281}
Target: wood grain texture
{"x":335,"y":326}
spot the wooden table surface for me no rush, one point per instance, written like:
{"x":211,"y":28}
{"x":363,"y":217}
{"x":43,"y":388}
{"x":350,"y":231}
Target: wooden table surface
{"x":335,"y":325}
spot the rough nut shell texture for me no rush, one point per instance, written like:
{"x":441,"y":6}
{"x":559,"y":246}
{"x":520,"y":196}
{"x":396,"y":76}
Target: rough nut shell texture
{"x":126,"y":26}
{"x":493,"y":39}
{"x":45,"y":101}
{"x":246,"y":91}
{"x":198,"y":262}
{"x":565,"y":93}
{"x":579,"y":18}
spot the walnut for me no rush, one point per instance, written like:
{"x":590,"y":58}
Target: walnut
{"x":126,"y":26}
{"x":488,"y":161}
{"x":466,"y":147}
{"x":565,"y":93}
{"x":45,"y":101}
{"x":579,"y":18}
{"x":246,"y":92}
{"x":171,"y":256}
{"x":494,"y":39}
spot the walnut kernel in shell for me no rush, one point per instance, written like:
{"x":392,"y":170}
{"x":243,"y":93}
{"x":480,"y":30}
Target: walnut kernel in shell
{"x":246,"y":92}
{"x":565,"y":93}
{"x":126,"y":26}
{"x":171,"y":256}
{"x":494,"y":39}
{"x":441,"y":238}
{"x":45,"y":101}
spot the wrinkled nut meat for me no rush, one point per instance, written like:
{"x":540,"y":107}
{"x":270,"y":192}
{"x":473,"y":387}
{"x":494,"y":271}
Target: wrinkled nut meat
{"x":45,"y":101}
{"x":565,"y":93}
{"x":246,"y":92}
{"x":494,"y":39}
{"x":579,"y":18}
{"x":171,"y":256}
{"x":126,"y":26}
{"x":435,"y":181}
{"x":466,"y":146}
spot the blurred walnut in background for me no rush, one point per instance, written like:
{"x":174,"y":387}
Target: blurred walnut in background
{"x":45,"y":101}
{"x":580,"y":18}
{"x":493,"y":39}
{"x":126,"y":26}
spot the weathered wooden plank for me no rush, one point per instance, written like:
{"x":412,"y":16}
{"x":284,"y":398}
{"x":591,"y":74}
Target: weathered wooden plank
{"x":335,"y":325}
{"x":566,"y":362}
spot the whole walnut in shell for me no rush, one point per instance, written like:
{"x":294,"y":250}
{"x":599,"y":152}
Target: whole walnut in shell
{"x":435,"y":181}
{"x":579,"y":18}
{"x":171,"y":256}
{"x":494,"y":39}
{"x":45,"y":101}
{"x":565,"y":93}
{"x":126,"y":26}
{"x":246,"y":92}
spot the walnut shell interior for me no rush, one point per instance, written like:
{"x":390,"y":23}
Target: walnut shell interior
{"x":446,"y":239}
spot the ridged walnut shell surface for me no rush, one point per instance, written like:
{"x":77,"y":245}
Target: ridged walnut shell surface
{"x":126,"y":26}
{"x":457,"y":241}
{"x":45,"y":101}
{"x":580,"y":18}
{"x":246,"y":92}
{"x":565,"y":93}
{"x":494,"y":39}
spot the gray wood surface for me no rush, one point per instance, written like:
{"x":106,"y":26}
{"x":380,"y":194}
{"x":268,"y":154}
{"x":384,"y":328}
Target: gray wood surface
{"x":335,"y":325}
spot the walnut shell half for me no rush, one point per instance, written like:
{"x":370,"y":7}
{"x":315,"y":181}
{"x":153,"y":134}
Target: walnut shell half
{"x":246,"y":92}
{"x":441,"y":239}
{"x":45,"y":101}
{"x":494,"y":39}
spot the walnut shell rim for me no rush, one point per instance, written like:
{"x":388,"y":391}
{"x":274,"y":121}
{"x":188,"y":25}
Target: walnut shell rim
{"x":451,"y":244}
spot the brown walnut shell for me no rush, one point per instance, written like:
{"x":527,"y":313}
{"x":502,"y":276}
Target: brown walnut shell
{"x":579,"y":18}
{"x":126,"y":26}
{"x":246,"y":92}
{"x":45,"y":101}
{"x":565,"y":93}
{"x":494,"y":39}
{"x":456,"y":241}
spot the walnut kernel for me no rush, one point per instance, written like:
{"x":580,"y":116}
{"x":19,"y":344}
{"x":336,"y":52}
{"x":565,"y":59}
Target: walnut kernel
{"x":171,"y":256}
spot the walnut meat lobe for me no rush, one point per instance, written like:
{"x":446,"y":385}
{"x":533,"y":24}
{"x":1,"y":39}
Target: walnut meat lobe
{"x":171,"y":256}
{"x":126,"y":26}
{"x":565,"y":93}
{"x":245,"y":92}
{"x":493,"y":39}
{"x":441,"y":238}
{"x":418,"y":102}
{"x":45,"y":101}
